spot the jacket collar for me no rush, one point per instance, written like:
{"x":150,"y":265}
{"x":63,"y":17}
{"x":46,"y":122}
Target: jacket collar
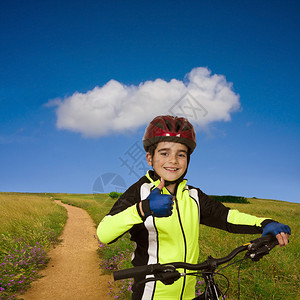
{"x":155,"y":180}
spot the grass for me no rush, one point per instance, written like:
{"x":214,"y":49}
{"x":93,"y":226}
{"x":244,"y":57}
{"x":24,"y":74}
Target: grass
{"x":97,"y":205}
{"x":29,"y":225}
{"x":276,"y":276}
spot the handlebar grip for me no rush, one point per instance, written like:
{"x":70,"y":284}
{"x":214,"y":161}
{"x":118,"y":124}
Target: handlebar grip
{"x":132,"y":272}
{"x":265,"y":240}
{"x":261,"y":246}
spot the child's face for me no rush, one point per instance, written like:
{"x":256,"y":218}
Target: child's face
{"x":169,"y":160}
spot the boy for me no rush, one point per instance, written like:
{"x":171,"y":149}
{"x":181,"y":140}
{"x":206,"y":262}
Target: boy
{"x":162,"y":213}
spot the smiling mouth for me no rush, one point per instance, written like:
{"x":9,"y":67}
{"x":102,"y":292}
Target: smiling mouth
{"x":171,"y":169}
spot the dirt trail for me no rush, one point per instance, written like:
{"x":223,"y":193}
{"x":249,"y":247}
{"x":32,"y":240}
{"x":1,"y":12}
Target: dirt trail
{"x":73,"y":271}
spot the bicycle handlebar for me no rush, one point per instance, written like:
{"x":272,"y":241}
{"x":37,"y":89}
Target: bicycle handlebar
{"x":256,"y":250}
{"x":136,"y":271}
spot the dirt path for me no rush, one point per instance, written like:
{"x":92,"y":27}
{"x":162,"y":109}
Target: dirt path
{"x":73,"y":271}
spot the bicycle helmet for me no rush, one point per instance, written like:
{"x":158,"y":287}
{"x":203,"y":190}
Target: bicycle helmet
{"x":170,"y":129}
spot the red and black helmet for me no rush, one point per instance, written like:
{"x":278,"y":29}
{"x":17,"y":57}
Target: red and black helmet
{"x":170,"y":129}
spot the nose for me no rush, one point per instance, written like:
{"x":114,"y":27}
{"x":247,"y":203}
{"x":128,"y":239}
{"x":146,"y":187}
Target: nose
{"x":173,"y":158}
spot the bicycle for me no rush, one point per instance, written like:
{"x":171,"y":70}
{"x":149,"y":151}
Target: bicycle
{"x":168,"y":274}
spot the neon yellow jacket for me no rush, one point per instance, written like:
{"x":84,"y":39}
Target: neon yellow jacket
{"x":170,"y":239}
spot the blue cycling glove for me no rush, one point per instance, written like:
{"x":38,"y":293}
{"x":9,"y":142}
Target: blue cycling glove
{"x":157,"y":204}
{"x":274,"y":228}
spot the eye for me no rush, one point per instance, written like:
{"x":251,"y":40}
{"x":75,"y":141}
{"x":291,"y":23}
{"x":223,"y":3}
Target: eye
{"x":182,"y":155}
{"x":163,"y":153}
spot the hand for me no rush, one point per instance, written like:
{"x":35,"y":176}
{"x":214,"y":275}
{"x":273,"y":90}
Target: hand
{"x":280,"y":231}
{"x":157,"y":204}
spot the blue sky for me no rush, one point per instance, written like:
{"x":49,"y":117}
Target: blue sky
{"x":80,"y":79}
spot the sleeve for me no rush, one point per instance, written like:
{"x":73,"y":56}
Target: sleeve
{"x":121,"y":218}
{"x":214,"y":214}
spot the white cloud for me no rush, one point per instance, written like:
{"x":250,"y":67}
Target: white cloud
{"x":202,"y":97}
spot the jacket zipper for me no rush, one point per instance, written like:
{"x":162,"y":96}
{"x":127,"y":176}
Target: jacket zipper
{"x":184,"y":238}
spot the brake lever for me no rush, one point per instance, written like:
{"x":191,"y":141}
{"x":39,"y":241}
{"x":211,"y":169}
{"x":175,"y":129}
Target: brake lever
{"x":260,"y":247}
{"x":167,"y":274}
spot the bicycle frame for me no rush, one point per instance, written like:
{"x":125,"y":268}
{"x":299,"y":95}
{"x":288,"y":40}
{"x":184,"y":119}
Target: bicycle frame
{"x":212,"y":291}
{"x":168,"y":274}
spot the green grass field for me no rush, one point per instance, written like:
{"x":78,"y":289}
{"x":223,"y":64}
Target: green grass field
{"x":276,"y":276}
{"x":30,"y":225}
